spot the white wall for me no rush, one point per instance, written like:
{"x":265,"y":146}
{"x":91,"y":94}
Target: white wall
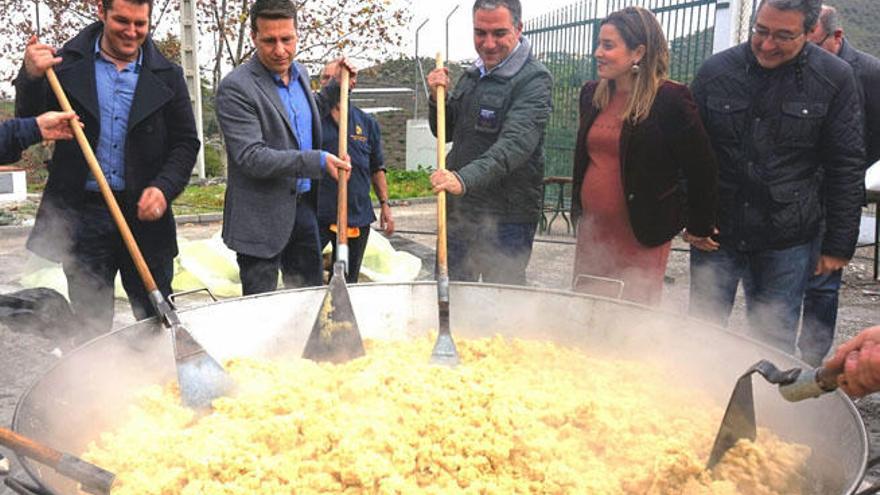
{"x":421,"y":145}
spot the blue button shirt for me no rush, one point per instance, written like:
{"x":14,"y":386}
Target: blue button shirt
{"x":115,"y":95}
{"x":295,"y":100}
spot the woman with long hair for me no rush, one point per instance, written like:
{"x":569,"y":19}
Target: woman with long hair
{"x":643,"y":168}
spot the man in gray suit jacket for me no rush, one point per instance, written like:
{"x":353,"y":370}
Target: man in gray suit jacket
{"x":272,"y":129}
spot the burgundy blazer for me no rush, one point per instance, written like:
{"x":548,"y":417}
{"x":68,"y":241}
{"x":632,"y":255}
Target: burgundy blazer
{"x":669,"y":170}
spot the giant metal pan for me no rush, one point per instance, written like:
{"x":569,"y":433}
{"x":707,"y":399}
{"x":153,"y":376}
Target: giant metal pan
{"x":87,"y":391}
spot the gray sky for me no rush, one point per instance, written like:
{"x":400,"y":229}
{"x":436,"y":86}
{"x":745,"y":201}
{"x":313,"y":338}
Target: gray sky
{"x":461,"y":45}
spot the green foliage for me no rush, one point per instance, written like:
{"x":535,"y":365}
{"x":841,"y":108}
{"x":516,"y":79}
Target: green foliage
{"x":208,"y":198}
{"x":404,"y":184}
{"x":860,"y":19}
{"x":687,"y":53}
{"x":200,"y":199}
{"x":403,"y":71}
{"x":213,"y":160}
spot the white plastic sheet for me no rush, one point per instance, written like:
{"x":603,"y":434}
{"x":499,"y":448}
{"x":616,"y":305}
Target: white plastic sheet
{"x":209,"y":263}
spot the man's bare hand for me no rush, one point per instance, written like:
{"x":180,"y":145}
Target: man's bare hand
{"x":702,"y":243}
{"x":860,"y":359}
{"x":386,"y":221}
{"x":335,"y":164}
{"x":56,"y":125}
{"x":437,"y":78}
{"x":444,"y":180}
{"x":38,"y":57}
{"x":829,"y":264}
{"x":152,"y":205}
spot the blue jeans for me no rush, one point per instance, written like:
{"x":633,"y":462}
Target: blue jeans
{"x":820,"y":316}
{"x":497,"y":252}
{"x":774,"y":281}
{"x":300,"y":259}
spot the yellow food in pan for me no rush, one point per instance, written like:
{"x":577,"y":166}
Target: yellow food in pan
{"x":518,"y":416}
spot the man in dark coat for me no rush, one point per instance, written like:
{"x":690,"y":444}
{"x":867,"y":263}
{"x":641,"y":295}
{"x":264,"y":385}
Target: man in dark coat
{"x":784,"y":119}
{"x":138,"y":120}
{"x":820,"y":300}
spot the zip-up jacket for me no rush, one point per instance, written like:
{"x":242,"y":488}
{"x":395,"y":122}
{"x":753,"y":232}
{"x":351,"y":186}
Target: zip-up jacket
{"x":496,"y":124}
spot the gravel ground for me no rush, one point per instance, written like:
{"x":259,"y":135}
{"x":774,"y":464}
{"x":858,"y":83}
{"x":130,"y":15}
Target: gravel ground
{"x":24,"y":357}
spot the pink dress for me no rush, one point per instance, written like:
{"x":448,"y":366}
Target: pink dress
{"x":606,"y":244}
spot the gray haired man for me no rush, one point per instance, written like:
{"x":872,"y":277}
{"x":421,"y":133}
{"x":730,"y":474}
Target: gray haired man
{"x":821,"y":298}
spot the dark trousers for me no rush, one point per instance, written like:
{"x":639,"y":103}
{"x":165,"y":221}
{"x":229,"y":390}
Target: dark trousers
{"x":774,"y":281}
{"x":356,"y":247}
{"x":496,"y":252}
{"x":299,"y":260}
{"x":98,"y":253}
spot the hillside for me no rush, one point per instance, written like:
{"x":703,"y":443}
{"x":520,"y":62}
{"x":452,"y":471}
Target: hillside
{"x":860,"y":21}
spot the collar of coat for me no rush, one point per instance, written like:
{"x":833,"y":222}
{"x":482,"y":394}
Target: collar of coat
{"x":84,"y":43}
{"x":799,"y":60}
{"x":847,"y":52}
{"x":513,"y":64}
{"x":151,"y":93}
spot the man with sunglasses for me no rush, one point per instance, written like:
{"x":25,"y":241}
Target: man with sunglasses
{"x":784,"y":119}
{"x":821,"y":299}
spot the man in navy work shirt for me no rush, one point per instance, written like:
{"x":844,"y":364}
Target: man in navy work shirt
{"x":138,"y":120}
{"x":16,"y":135}
{"x":272,"y":129}
{"x":368,"y":166}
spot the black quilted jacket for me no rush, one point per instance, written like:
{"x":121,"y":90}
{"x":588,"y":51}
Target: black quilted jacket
{"x":774,"y":132}
{"x":867,"y":70}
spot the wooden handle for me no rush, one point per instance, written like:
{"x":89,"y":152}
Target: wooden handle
{"x":442,"y":266}
{"x":29,"y":448}
{"x":95,"y":168}
{"x":342,"y":196}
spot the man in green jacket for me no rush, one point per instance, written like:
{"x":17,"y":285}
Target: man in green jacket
{"x":496,"y":116}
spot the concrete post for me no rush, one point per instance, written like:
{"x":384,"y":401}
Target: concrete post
{"x":189,"y":51}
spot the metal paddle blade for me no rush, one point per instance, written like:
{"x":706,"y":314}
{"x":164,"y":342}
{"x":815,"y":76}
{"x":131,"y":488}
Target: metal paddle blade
{"x":335,"y":336}
{"x":444,"y":351}
{"x":739,"y":419}
{"x":738,"y":422}
{"x":201,"y":378}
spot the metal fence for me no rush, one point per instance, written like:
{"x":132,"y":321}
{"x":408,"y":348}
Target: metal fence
{"x":564,"y":41}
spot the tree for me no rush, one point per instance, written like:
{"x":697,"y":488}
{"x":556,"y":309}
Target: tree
{"x":59,"y":21}
{"x":366,"y":29}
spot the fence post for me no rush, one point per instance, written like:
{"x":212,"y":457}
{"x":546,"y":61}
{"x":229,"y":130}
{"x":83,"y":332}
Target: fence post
{"x":726,"y":25}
